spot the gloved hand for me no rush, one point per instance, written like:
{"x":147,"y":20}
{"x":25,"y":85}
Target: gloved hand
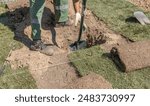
{"x":77,"y":19}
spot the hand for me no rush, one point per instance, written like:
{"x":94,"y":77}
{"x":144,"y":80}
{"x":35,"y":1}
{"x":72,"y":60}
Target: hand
{"x":77,"y":19}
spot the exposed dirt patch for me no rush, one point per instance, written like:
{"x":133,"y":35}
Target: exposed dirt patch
{"x":145,"y":4}
{"x":55,"y":71}
{"x":11,"y":5}
{"x":58,"y":76}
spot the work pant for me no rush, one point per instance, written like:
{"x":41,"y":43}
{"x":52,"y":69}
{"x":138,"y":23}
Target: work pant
{"x":36,"y":12}
{"x":61,"y":10}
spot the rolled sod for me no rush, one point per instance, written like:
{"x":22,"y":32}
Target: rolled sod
{"x":133,"y":56}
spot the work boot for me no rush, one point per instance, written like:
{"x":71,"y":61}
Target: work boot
{"x":38,"y":45}
{"x":63,"y":24}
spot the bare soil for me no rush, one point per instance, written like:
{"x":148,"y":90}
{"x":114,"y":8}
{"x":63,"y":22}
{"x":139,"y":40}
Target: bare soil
{"x":55,"y":71}
{"x":11,"y":5}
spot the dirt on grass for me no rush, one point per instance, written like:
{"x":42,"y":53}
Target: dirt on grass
{"x":56,"y":71}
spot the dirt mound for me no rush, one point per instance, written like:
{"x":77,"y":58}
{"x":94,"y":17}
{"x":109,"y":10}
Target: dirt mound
{"x":134,"y":56}
{"x":91,"y":81}
{"x":145,"y":4}
{"x":95,"y":37}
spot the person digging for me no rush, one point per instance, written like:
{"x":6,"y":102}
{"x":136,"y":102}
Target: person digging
{"x":61,"y":18}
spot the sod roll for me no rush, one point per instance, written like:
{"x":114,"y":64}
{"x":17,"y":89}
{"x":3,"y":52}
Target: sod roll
{"x":135,"y":55}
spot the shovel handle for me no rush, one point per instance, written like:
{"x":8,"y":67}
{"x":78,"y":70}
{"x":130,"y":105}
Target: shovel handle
{"x":82,"y":19}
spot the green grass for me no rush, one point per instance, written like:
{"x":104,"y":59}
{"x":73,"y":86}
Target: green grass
{"x":2,"y":8}
{"x":17,"y":79}
{"x":20,"y":78}
{"x":95,"y":60}
{"x":115,"y":14}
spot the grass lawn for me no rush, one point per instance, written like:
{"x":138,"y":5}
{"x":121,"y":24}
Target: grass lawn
{"x":117,"y":14}
{"x":95,"y":60}
{"x":20,"y":78}
{"x":2,"y":9}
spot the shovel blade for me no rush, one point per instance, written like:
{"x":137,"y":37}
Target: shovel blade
{"x":141,"y":17}
{"x":78,"y":45}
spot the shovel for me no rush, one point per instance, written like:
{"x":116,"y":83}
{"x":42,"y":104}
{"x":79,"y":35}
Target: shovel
{"x":80,"y":44}
{"x":141,"y":17}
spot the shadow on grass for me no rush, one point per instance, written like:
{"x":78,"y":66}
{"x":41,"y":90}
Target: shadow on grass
{"x":19,"y":19}
{"x":132,"y":20}
{"x":116,"y":60}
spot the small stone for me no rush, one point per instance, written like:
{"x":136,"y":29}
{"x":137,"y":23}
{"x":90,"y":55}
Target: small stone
{"x":48,"y":51}
{"x":50,"y":62}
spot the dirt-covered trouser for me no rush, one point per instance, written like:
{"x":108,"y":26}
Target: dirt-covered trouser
{"x":36,"y":12}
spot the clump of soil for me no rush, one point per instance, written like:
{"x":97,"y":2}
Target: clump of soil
{"x":95,"y":37}
{"x":18,"y":15}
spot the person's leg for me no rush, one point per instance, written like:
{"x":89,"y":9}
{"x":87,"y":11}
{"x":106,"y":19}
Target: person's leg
{"x":76,"y":6}
{"x":61,"y":10}
{"x":77,"y":11}
{"x":36,"y":12}
{"x":61,"y":13}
